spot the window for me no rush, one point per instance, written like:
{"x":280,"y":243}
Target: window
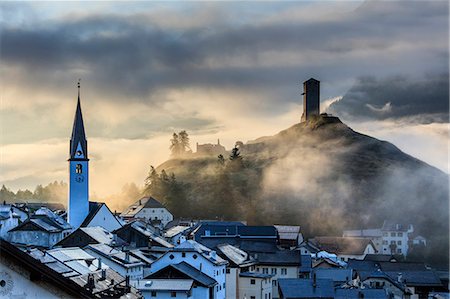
{"x":392,"y":242}
{"x":224,"y":285}
{"x":392,"y":234}
{"x":153,"y":294}
{"x":385,"y":242}
{"x":173,"y":294}
{"x":265,"y":270}
{"x":79,"y":168}
{"x":399,"y":242}
{"x":153,"y":211}
{"x":252,"y":297}
{"x":274,"y":283}
{"x":274,"y":271}
{"x":399,"y":250}
{"x":171,"y":257}
{"x":257,"y":269}
{"x":283,"y":271}
{"x":400,"y":234}
{"x":252,"y":281}
{"x":195,"y":256}
{"x":228,"y":271}
{"x":265,"y":296}
{"x":183,"y":254}
{"x":385,"y":234}
{"x":223,"y":270}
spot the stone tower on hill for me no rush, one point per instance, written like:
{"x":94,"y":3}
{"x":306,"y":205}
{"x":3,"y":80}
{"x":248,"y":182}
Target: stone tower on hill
{"x":311,"y":99}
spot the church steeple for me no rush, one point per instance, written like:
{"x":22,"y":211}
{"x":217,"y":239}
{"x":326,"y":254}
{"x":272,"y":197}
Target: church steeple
{"x":78,"y":207}
{"x":78,"y":142}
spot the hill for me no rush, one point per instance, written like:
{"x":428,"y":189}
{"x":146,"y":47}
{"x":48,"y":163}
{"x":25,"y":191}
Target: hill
{"x":321,"y":175}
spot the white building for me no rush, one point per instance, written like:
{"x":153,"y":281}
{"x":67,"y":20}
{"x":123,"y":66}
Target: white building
{"x":345,"y":247}
{"x":391,"y":238}
{"x":150,"y":210}
{"x":255,"y":286}
{"x":10,"y":217}
{"x":43,"y":229}
{"x":101,"y":215}
{"x":190,"y":256}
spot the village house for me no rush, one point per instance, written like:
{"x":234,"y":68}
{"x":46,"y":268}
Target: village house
{"x":121,"y":262}
{"x":101,"y":215}
{"x":345,"y":247}
{"x":280,"y":264}
{"x":255,"y":285}
{"x":10,"y":217}
{"x":84,"y":236}
{"x":391,"y":238}
{"x":174,"y":234}
{"x":289,"y":236}
{"x":150,"y":210}
{"x":140,"y":234}
{"x":43,"y":229}
{"x":200,"y":258}
{"x":59,"y":273}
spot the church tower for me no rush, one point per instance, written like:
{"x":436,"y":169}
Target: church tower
{"x":78,"y":207}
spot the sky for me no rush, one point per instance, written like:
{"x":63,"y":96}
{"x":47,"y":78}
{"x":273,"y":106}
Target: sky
{"x":220,"y":70}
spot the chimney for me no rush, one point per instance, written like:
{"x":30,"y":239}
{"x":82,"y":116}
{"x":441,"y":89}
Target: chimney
{"x":127,"y":256}
{"x":103,"y":274}
{"x":90,"y":285}
{"x":127,"y":281}
{"x":140,"y":202}
{"x":99,"y":263}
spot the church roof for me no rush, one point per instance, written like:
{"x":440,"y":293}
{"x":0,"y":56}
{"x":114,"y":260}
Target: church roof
{"x":78,"y":134}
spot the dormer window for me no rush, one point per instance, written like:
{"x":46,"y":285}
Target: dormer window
{"x":79,"y":168}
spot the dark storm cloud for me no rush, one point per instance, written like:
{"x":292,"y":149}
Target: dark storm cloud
{"x":425,"y":99}
{"x":132,"y":56}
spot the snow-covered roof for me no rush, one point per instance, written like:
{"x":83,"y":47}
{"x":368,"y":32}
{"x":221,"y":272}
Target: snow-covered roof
{"x":175,"y":231}
{"x":234,"y":254}
{"x":164,"y":284}
{"x":211,"y":255}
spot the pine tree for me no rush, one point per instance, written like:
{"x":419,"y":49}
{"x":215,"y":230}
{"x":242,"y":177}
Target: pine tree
{"x":175,"y":145}
{"x":184,"y":141}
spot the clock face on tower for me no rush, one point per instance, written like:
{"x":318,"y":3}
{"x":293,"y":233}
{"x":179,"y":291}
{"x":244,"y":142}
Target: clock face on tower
{"x":79,"y":178}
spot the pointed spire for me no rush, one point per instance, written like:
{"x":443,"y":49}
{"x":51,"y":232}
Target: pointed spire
{"x":78,"y":142}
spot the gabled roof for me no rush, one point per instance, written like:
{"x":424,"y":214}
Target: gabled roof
{"x":143,"y":229}
{"x":100,"y":235}
{"x":342,"y":245}
{"x":45,"y":220}
{"x":337,"y":275}
{"x":165,"y":284}
{"x":279,"y":257}
{"x":293,"y":288}
{"x":210,"y":255}
{"x":380,"y":258}
{"x":94,"y":208}
{"x":188,"y":271}
{"x":144,"y":202}
{"x":255,"y":275}
{"x":288,"y":232}
{"x":234,"y":254}
{"x":361,"y":293}
{"x":117,"y":256}
{"x":382,"y":275}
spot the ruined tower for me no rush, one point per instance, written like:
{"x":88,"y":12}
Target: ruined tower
{"x":311,"y":99}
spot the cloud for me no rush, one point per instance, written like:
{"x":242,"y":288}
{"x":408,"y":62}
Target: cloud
{"x":396,"y":97}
